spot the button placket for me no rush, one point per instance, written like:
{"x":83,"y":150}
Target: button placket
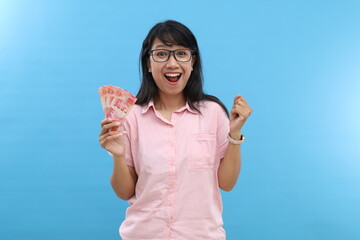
{"x":172,"y":158}
{"x":171,"y":176}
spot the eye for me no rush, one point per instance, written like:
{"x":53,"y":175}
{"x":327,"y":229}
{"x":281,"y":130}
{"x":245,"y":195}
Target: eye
{"x":182,"y":53}
{"x":161,"y":53}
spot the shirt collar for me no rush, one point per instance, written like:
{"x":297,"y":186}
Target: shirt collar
{"x":151,"y":105}
{"x":146,"y":107}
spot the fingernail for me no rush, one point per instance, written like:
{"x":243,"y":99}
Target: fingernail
{"x":117,"y":123}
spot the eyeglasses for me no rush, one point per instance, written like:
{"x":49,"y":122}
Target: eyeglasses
{"x":162,"y":55}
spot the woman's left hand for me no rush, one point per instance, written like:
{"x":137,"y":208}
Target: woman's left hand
{"x":238,"y":116}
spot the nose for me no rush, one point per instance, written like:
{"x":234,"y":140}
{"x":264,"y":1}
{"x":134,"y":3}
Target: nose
{"x":172,"y":62}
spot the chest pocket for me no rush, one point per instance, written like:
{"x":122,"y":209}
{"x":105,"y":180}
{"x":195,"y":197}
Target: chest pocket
{"x":202,"y":150}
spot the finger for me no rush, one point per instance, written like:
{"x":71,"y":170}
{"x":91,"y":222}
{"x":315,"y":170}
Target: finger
{"x":244,"y":101}
{"x":236,"y":116}
{"x":242,"y":111}
{"x":240,"y":103}
{"x":108,"y":126}
{"x":104,"y":141}
{"x":241,"y":99}
{"x":241,"y":106}
{"x":103,"y":123}
{"x":106,"y":121}
{"x":234,"y":113}
{"x":237,"y":97}
{"x":110,"y":134}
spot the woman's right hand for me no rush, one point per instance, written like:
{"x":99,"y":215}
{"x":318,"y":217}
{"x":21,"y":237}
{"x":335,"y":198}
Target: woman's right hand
{"x":113,"y":141}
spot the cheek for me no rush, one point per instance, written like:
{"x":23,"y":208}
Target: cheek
{"x":156,"y":72}
{"x":153,"y":69}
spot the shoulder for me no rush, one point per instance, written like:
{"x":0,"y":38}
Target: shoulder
{"x":135,"y":111}
{"x":212,"y":117}
{"x":133,"y":115}
{"x":210,"y":104}
{"x":211,"y":107}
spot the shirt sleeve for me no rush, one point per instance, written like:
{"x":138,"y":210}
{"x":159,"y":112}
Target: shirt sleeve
{"x":127,"y":142}
{"x":222,"y":130}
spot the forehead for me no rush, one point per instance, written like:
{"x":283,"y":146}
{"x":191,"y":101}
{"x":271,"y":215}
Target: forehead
{"x":159,"y":44}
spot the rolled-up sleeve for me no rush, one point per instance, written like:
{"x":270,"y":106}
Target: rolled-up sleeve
{"x":222,"y":130}
{"x":127,"y":141}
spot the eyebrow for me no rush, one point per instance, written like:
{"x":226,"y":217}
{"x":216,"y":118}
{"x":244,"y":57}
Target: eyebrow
{"x":161,"y":46}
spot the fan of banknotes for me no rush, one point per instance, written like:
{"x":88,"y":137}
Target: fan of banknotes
{"x":116,"y":102}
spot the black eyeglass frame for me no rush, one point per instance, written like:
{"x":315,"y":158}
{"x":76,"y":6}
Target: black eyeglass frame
{"x":172,"y":51}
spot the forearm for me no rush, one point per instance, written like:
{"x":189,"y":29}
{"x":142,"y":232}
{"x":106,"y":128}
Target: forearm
{"x":122,"y":180}
{"x":230,"y":166}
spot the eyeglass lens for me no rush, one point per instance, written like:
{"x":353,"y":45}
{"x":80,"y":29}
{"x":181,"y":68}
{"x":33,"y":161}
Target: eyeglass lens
{"x":162,"y":55}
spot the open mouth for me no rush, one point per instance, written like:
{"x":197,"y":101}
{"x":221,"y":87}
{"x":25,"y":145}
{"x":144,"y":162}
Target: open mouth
{"x":172,"y":77}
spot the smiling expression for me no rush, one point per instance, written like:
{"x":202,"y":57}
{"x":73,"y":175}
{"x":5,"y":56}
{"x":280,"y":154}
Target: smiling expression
{"x":171,"y":76}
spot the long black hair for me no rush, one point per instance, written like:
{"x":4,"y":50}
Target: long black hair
{"x":173,"y":33}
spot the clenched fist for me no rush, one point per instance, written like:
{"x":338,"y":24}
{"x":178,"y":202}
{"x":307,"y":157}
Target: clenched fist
{"x":238,"y":115}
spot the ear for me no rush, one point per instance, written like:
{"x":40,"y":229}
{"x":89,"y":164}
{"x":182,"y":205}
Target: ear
{"x":193,"y":60}
{"x":148,"y":65}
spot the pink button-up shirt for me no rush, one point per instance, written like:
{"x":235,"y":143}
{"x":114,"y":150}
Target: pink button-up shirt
{"x":177,"y":194}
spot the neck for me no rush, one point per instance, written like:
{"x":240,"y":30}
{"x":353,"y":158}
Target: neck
{"x":173,"y":103}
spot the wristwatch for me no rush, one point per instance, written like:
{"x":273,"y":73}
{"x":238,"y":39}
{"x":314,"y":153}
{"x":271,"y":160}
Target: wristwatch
{"x":237,"y":142}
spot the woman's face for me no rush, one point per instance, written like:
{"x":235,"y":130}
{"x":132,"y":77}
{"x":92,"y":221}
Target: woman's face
{"x":171,"y":76}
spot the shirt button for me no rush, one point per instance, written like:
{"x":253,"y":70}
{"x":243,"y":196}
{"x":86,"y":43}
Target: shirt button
{"x":168,"y":225}
{"x":171,"y":203}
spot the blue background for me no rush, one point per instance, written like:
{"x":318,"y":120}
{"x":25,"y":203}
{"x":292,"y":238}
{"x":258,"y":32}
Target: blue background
{"x":296,"y":62}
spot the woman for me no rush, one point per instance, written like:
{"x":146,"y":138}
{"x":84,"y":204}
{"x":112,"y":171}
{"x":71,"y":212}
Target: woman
{"x":177,"y":146}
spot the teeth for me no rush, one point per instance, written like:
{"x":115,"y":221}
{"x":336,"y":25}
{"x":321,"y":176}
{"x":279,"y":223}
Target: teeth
{"x":172,"y":74}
